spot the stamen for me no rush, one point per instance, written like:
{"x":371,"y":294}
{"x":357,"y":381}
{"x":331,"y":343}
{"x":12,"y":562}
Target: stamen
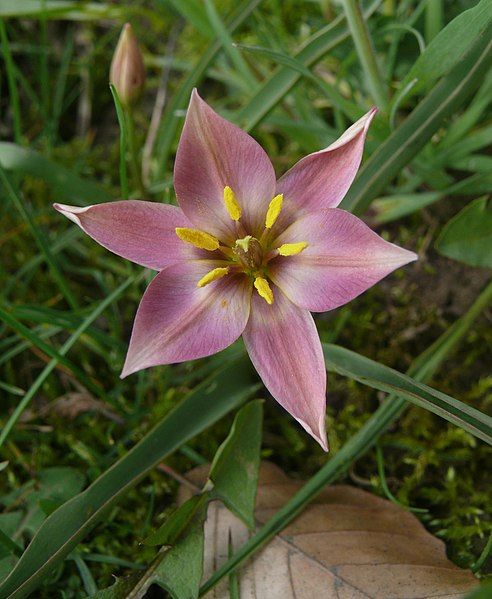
{"x":291,"y":249}
{"x":273,"y":211}
{"x":199,"y":239}
{"x":232,"y":205}
{"x":213,"y":275}
{"x":264,"y":289}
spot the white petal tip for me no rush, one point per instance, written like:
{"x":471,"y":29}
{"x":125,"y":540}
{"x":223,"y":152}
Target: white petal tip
{"x":71,"y":211}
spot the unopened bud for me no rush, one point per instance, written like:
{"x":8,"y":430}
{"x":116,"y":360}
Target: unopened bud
{"x":127,"y":72}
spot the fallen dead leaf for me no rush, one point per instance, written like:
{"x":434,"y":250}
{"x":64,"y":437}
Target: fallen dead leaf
{"x":348,"y":544}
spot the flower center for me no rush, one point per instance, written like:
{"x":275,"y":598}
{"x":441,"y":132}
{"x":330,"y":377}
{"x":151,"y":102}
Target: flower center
{"x":248,"y":255}
{"x":248,"y":252}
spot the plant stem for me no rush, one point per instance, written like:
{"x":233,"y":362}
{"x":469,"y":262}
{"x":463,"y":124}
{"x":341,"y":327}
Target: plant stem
{"x":422,"y":368}
{"x":132,"y":148}
{"x":121,"y":121}
{"x":366,"y":53}
{"x":433,"y":19}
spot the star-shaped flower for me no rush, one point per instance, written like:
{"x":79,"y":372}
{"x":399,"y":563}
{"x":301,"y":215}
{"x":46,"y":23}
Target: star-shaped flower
{"x":246,"y":255}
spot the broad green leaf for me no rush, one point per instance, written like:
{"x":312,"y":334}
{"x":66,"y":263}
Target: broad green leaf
{"x":450,"y":45}
{"x":374,"y":374}
{"x":414,"y":133}
{"x":68,"y":525}
{"x":234,"y":470}
{"x":64,"y":184}
{"x":468,"y":236}
{"x":181,"y":569}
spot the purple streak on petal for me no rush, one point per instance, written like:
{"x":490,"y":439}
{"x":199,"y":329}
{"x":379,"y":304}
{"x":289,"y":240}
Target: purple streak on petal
{"x":285,"y":349}
{"x":213,"y":153}
{"x":143,"y":232}
{"x":321,"y":180}
{"x":344,"y":257}
{"x":176,"y":321}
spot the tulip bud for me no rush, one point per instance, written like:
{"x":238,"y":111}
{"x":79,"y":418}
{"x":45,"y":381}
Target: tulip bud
{"x":127,"y":72}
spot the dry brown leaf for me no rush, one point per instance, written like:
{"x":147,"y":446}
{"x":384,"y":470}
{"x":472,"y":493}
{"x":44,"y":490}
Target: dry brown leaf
{"x":348,"y":544}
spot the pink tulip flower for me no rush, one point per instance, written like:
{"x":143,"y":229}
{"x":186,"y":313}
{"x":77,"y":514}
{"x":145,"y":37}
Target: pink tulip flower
{"x":246,"y":255}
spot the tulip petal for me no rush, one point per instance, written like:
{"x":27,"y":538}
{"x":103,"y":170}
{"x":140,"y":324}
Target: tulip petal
{"x":284,"y":346}
{"x":178,"y":321}
{"x":343,"y":258}
{"x":143,"y":232}
{"x":213,"y":154}
{"x":321,"y":180}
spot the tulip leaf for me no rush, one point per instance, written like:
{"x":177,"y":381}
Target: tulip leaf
{"x":468,"y":236}
{"x":379,"y":376}
{"x":234,"y":470}
{"x":450,"y":45}
{"x":176,"y":523}
{"x":65,"y":184}
{"x":69,"y":524}
{"x":418,"y":128}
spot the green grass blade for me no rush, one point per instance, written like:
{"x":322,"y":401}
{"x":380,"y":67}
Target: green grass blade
{"x":351,"y":110}
{"x":35,"y":340}
{"x":63,"y":350}
{"x":414,"y":133}
{"x":39,"y":238}
{"x":13,"y":93}
{"x":422,"y":368}
{"x":378,"y":376}
{"x":65,"y":184}
{"x":281,"y":82}
{"x":65,"y":527}
{"x":169,"y":124}
{"x":221,"y":32}
{"x":366,"y":52}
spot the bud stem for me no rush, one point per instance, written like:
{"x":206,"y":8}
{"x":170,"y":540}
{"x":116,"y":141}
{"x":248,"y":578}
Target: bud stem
{"x":132,"y":147}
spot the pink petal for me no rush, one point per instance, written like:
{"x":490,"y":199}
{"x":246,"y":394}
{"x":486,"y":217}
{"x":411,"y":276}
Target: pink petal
{"x":321,"y":180}
{"x":212,"y":154}
{"x":177,"y":321}
{"x":143,"y":232}
{"x":344,"y":257}
{"x":285,"y":349}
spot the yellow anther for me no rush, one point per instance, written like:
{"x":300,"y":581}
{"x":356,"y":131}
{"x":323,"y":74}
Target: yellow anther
{"x":273,"y":211}
{"x":199,"y":239}
{"x":232,"y":205}
{"x":213,"y":275}
{"x":264,"y":289}
{"x":291,"y":249}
